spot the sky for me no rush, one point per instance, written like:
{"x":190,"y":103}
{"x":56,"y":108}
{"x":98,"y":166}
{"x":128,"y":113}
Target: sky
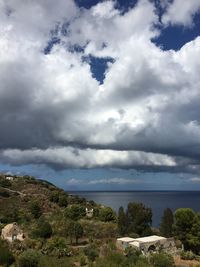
{"x":101,"y":95}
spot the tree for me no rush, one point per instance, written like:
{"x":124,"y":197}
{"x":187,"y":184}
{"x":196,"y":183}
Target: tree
{"x":75,"y":230}
{"x":35,"y":209}
{"x":44,"y":229}
{"x":183,"y":222}
{"x":194,"y":235}
{"x":107,"y":214}
{"x":62,"y":201}
{"x":75,"y":212}
{"x":162,"y":260}
{"x":29,"y":258}
{"x":167,"y":223}
{"x":122,"y":221}
{"x":139,"y":219}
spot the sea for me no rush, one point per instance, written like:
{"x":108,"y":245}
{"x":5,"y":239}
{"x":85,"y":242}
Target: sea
{"x":156,"y":200}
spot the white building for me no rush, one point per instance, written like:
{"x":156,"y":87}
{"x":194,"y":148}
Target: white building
{"x":148,"y":244}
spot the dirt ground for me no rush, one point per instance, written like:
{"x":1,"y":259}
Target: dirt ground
{"x":186,"y":263}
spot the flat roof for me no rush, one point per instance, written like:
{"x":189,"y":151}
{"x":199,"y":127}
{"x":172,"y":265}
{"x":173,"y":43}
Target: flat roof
{"x":151,"y":238}
{"x":125,"y":239}
{"x":135,"y":244}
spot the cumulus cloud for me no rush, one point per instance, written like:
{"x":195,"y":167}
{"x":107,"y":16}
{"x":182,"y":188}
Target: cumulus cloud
{"x":181,"y":12}
{"x":145,"y":115}
{"x":114,"y":181}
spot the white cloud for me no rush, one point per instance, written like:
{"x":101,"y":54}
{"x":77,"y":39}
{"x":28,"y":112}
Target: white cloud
{"x":146,"y":112}
{"x":181,"y":12}
{"x":195,"y":179}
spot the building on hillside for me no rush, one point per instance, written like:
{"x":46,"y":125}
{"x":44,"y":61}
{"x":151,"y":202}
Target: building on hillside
{"x":150,"y":244}
{"x":9,"y":178}
{"x":12,"y":232}
{"x":89,"y":212}
{"x":123,"y":242}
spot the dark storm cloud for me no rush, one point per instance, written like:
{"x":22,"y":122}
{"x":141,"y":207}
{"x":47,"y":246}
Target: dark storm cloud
{"x":144,"y":115}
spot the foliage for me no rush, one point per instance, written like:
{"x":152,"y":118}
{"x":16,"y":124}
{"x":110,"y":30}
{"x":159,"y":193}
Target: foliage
{"x":167,"y":223}
{"x":107,"y":214}
{"x":162,"y":260}
{"x":43,"y":230}
{"x":62,"y":201}
{"x":35,"y":209}
{"x":6,"y":257}
{"x":187,"y":255}
{"x":194,"y":235}
{"x":139,"y":219}
{"x":75,"y":230}
{"x":56,"y":247}
{"x":75,"y":212}
{"x":183,"y":221}
{"x":5,"y":183}
{"x":82,"y":261}
{"x":91,"y":252}
{"x":29,"y":258}
{"x":122,"y":221}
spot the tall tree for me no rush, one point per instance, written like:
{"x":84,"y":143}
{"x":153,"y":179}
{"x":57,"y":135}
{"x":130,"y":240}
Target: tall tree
{"x":167,"y":223}
{"x":183,"y":222}
{"x":194,"y":235}
{"x":139,"y":219}
{"x":122,"y":221}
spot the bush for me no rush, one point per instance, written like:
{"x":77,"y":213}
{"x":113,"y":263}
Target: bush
{"x":62,"y":201}
{"x":91,"y":252}
{"x":187,"y":255}
{"x":35,"y":209}
{"x":82,"y":261}
{"x":162,"y":260}
{"x":107,"y":214}
{"x":44,"y":229}
{"x":75,"y":212}
{"x":29,"y":258}
{"x":6,"y":257}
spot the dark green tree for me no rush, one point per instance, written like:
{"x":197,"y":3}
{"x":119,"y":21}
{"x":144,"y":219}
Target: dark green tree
{"x":167,"y":223}
{"x":75,"y":230}
{"x":194,"y":235}
{"x":75,"y":212}
{"x":122,"y":221}
{"x":107,"y":214}
{"x":78,"y":231}
{"x":35,"y":209}
{"x":139,"y":219}
{"x":44,"y":229}
{"x":63,"y":201}
{"x":183,"y":222}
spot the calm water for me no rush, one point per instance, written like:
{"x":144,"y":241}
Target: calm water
{"x":158,"y":200}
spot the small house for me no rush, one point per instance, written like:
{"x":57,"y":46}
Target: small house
{"x":149,"y":244}
{"x":12,"y":232}
{"x":123,"y":242}
{"x":89,"y":212}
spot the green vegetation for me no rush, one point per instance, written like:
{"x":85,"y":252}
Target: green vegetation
{"x":167,"y":223}
{"x":58,"y":232}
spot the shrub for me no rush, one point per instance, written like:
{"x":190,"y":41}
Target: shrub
{"x":75,"y":212}
{"x":29,"y":258}
{"x":162,"y":260}
{"x":6,"y":257}
{"x":62,"y":201}
{"x":91,"y":252}
{"x":44,"y":229}
{"x":35,"y":209}
{"x":107,"y":214}
{"x":187,"y":255}
{"x":82,"y":261}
